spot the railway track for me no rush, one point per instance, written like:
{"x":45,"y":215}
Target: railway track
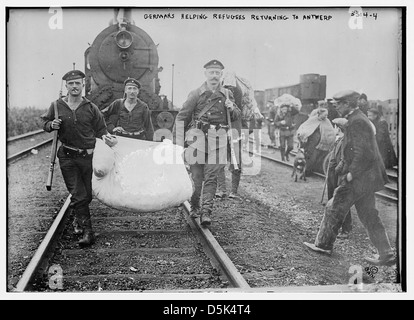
{"x":138,"y":252}
{"x":389,"y":193}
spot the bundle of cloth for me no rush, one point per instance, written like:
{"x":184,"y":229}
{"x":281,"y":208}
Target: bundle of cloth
{"x":250,"y":109}
{"x":316,"y":119}
{"x":289,"y":100}
{"x":140,"y":176}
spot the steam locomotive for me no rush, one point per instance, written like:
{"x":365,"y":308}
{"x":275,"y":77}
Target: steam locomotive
{"x":120,"y":51}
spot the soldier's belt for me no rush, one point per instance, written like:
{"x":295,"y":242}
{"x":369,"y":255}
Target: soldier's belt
{"x":135,"y":133}
{"x":205,"y":126}
{"x":76,"y":151}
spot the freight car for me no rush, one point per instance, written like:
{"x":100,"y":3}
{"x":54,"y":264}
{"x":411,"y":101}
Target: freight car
{"x":310,"y":89}
{"x":120,"y":51}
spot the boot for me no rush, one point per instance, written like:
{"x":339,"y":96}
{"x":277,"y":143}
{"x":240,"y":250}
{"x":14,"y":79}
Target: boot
{"x":195,"y":212}
{"x":287,"y":153}
{"x":205,"y":218}
{"x":77,"y":229}
{"x":235,"y":181}
{"x":282,"y":154}
{"x":87,"y":239}
{"x":84,"y":219}
{"x":234,"y":195}
{"x":386,"y":260}
{"x":195,"y":207}
{"x":221,"y":194}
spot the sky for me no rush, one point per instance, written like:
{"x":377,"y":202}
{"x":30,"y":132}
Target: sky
{"x":362,"y":55}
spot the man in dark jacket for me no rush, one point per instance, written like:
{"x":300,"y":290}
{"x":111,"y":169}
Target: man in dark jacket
{"x":79,"y":124}
{"x":359,"y":179}
{"x":130,"y":117}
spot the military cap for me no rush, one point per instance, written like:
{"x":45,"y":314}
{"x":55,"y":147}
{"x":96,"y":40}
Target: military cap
{"x":73,"y":74}
{"x":214,"y":64}
{"x":347,"y":95}
{"x":132,"y":82}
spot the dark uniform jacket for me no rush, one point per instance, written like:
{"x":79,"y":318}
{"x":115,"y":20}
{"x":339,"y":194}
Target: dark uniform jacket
{"x":138,"y":119}
{"x":362,"y":156}
{"x":216,"y":115}
{"x":288,"y":128}
{"x":80,"y":127}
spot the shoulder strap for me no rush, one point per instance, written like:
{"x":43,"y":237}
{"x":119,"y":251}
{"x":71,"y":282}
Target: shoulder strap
{"x":205,"y":109}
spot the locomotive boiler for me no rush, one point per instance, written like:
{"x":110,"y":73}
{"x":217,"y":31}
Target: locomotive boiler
{"x":120,"y":51}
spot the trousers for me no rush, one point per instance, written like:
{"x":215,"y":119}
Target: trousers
{"x":77,"y":174}
{"x":271,"y":132}
{"x":286,"y":145}
{"x":204,"y":176}
{"x":338,"y":208}
{"x":235,"y":173}
{"x":235,"y":179}
{"x":332,"y":183}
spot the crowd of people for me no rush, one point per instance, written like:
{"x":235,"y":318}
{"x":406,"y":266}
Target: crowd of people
{"x":345,"y":129}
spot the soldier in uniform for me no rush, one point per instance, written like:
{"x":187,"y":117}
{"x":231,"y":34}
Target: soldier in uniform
{"x":359,"y":179}
{"x":130,"y":117}
{"x":204,"y":117}
{"x":80,"y":122}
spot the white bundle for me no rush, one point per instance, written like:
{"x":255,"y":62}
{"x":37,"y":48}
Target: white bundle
{"x":140,"y":176}
{"x":287,"y":99}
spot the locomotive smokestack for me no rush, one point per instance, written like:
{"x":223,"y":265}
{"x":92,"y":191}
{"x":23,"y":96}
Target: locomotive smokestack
{"x":122,"y":15}
{"x":127,"y":15}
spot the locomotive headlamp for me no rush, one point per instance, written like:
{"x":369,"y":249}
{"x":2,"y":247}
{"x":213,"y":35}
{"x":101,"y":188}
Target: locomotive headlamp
{"x":123,"y":39}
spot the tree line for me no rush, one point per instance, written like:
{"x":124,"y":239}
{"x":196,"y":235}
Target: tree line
{"x":23,"y":120}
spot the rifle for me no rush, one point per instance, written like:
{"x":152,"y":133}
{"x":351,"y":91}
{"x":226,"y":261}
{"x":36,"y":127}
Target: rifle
{"x":230,"y":135}
{"x":53,"y":152}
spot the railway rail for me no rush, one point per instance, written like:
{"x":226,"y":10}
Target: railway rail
{"x":389,"y":193}
{"x":25,"y":144}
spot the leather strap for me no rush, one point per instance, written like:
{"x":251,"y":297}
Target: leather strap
{"x":205,"y":109}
